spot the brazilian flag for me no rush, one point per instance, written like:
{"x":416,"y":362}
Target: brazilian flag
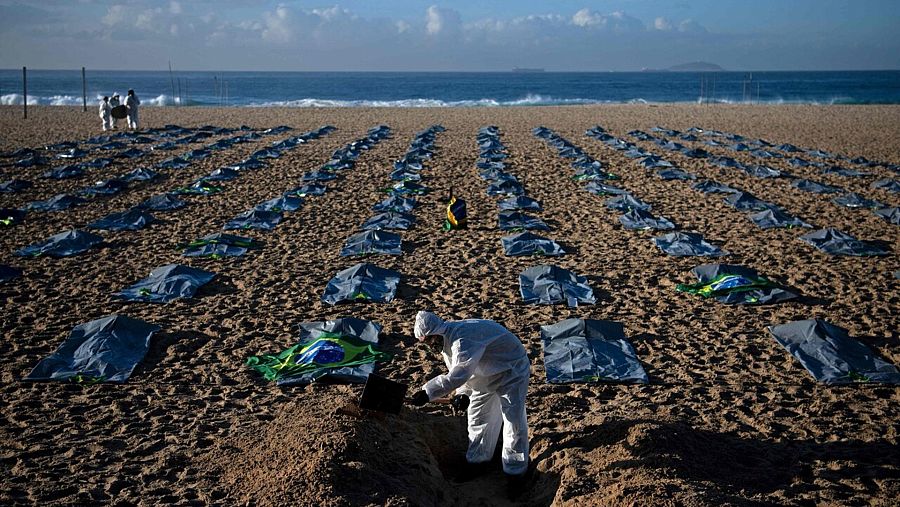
{"x":456,"y":215}
{"x":316,"y":357}
{"x":726,"y":284}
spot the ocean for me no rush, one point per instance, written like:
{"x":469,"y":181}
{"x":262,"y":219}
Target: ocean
{"x":454,"y":89}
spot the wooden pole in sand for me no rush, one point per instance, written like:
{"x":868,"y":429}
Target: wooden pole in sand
{"x":24,"y":93}
{"x":83,"y":91}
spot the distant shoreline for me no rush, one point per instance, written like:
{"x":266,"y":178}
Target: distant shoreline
{"x":493,"y":89}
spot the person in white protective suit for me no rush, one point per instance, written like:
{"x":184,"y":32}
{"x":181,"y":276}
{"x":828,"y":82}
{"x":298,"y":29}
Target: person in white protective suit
{"x":488,"y":372}
{"x":113,"y":102}
{"x":105,"y":113}
{"x":132,"y":103}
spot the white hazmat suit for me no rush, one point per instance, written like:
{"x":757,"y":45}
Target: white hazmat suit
{"x":105,"y":114}
{"x":113,"y":102}
{"x":132,"y":103}
{"x":488,"y":363}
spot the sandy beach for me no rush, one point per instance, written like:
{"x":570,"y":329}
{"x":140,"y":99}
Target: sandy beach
{"x":729,"y":417}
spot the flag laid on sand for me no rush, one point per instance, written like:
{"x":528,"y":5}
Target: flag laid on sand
{"x":735,"y":285}
{"x":341,"y":350}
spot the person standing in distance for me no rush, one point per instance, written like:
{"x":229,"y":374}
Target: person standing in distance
{"x":106,"y":113}
{"x":113,"y":102}
{"x":132,"y":103}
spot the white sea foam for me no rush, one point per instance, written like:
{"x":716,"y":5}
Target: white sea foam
{"x":15,"y":99}
{"x":159,"y":100}
{"x":528,"y":100}
{"x":777,"y":101}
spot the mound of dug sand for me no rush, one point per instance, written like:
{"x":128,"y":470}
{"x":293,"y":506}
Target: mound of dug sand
{"x":331,"y":453}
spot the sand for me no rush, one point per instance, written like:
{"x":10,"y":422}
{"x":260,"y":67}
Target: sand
{"x":729,"y":417}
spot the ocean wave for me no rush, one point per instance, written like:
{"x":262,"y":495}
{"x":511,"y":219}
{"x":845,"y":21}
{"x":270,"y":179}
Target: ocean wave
{"x":164,"y":100}
{"x":528,"y":100}
{"x":15,"y":99}
{"x":779,"y":101}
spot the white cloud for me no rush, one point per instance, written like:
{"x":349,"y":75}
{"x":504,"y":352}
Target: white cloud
{"x":289,"y":37}
{"x":617,"y":21}
{"x":585,"y":17}
{"x":433,"y":20}
{"x":277,"y":26}
{"x":441,"y":21}
{"x":114,"y":15}
{"x":148,"y":20}
{"x":332,"y":13}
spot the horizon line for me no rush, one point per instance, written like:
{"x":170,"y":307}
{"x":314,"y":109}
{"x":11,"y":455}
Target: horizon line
{"x":507,"y":71}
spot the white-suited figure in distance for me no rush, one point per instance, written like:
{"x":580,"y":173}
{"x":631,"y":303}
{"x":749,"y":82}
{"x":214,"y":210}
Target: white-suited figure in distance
{"x":488,"y":372}
{"x":132,"y":103}
{"x":113,"y":102}
{"x":105,"y":113}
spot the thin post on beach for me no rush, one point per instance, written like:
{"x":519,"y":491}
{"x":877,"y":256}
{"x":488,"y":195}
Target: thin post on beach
{"x":172,"y":79}
{"x":24,"y":93}
{"x":83,"y":91}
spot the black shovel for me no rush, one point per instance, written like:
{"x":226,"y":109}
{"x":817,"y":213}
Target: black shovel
{"x":383,"y":394}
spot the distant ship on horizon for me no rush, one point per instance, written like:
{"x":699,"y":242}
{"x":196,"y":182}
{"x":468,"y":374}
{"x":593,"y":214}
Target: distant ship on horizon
{"x":528,"y":69}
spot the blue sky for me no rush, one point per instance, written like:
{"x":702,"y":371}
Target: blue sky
{"x":563,"y":35}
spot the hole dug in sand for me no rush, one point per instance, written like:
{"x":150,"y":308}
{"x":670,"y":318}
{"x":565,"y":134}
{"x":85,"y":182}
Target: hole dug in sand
{"x":319,"y":449}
